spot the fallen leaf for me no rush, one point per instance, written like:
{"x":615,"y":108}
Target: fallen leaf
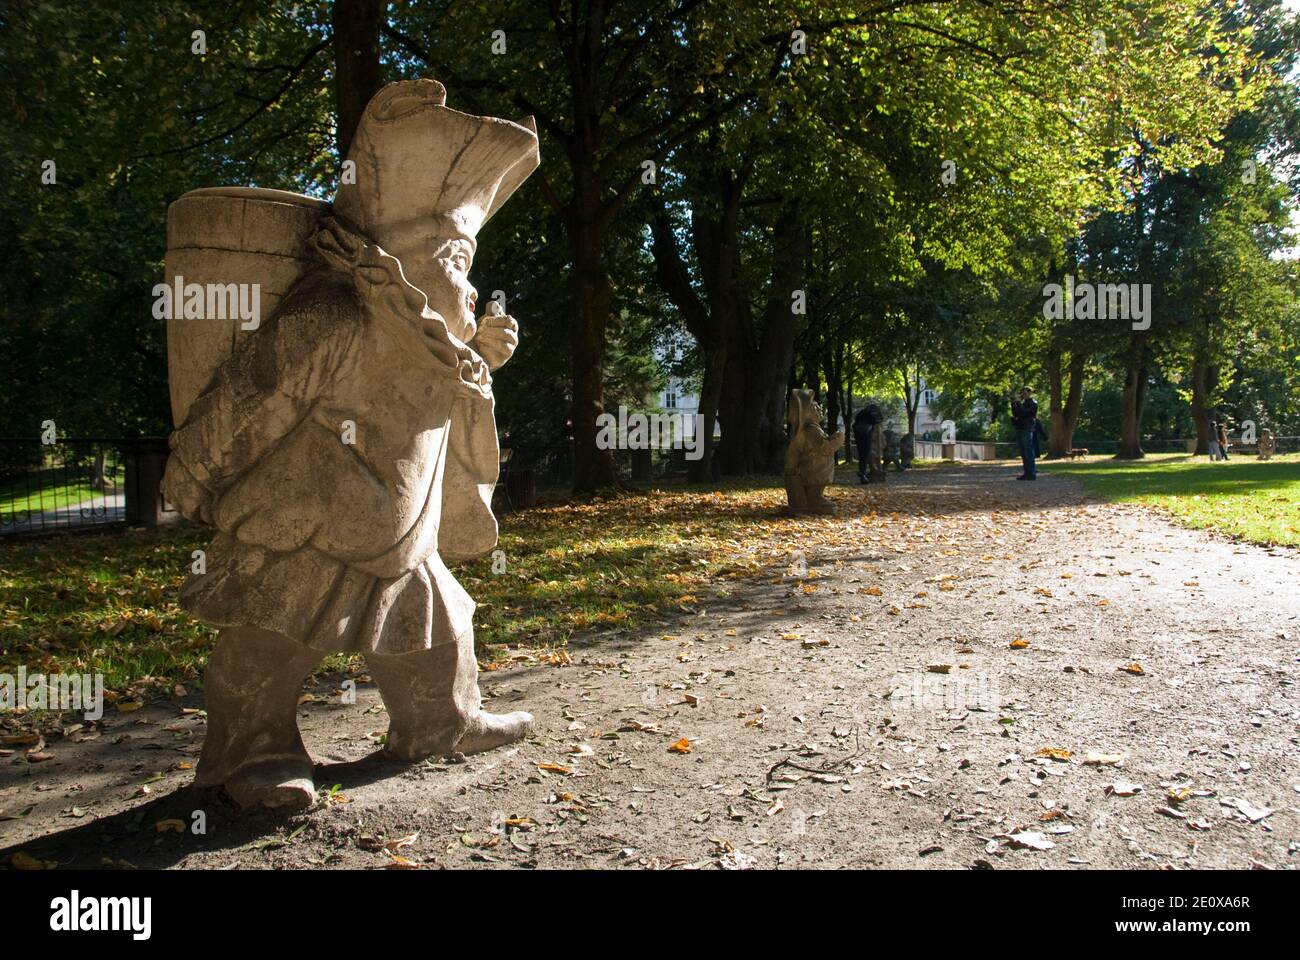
{"x":1030,"y":840}
{"x":1104,"y":759}
{"x":1055,"y":753}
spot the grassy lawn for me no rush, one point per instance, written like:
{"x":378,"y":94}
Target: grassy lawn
{"x":52,"y":489}
{"x":106,"y":603}
{"x":1241,"y":497}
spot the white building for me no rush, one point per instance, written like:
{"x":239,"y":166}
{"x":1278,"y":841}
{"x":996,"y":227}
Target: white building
{"x":926,"y":419}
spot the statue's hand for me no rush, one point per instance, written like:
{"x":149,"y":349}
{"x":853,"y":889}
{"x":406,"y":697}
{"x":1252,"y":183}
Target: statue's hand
{"x":497,"y":337}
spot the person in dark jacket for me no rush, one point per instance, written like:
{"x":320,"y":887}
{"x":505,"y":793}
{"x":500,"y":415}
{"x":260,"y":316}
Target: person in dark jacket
{"x":1024,"y":414}
{"x":862,"y":440}
{"x":1212,"y":437}
{"x":867,"y":436}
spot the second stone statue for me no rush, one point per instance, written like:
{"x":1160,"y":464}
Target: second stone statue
{"x":346,"y":447}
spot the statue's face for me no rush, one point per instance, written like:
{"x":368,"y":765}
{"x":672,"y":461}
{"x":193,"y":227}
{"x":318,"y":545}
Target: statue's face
{"x":439,"y":268}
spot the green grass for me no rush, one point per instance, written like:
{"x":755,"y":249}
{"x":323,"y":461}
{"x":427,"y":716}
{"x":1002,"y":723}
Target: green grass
{"x":106,"y":603}
{"x":41,"y":490}
{"x":1242,"y":497}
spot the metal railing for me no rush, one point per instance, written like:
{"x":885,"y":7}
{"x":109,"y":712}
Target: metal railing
{"x":1008,"y":450}
{"x":78,"y":483}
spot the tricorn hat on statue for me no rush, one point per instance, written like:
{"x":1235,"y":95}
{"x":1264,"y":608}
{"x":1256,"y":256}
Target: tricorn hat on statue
{"x":419,"y":161}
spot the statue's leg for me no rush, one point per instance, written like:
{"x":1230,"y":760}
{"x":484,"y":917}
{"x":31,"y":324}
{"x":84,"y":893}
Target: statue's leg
{"x":253,"y":748}
{"x":794,"y":494}
{"x":815,"y":497}
{"x":434,"y":705}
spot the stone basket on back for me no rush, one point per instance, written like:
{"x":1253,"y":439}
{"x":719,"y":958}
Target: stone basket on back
{"x":229,"y":245}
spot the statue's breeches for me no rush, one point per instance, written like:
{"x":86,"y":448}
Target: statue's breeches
{"x":325,"y":604}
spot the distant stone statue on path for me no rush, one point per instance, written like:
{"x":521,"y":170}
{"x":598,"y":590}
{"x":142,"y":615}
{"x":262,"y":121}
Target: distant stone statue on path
{"x":809,"y":456}
{"x":893,"y":452}
{"x":1267,"y":444}
{"x":345,"y":447}
{"x":907,"y":450}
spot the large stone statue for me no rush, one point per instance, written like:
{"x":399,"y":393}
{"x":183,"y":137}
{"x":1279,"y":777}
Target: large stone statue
{"x":1267,"y":444}
{"x":809,"y":456}
{"x":345,"y":447}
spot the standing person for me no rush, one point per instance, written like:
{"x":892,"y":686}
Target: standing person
{"x":862,"y":440}
{"x":1024,"y":414}
{"x":1212,"y":434}
{"x":1223,"y":440}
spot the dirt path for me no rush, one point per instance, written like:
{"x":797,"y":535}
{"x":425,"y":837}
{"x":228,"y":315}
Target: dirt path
{"x":820,"y":730}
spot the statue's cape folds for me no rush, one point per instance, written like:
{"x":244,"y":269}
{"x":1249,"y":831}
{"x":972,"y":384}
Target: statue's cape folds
{"x":235,"y":420}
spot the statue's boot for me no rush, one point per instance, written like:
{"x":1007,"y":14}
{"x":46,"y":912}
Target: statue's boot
{"x":434,"y":705}
{"x":253,"y":748}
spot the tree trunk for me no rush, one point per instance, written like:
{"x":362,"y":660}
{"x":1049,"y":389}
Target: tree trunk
{"x":716,"y":243}
{"x":356,"y":62}
{"x":911,"y":395}
{"x":848,"y":409}
{"x":100,"y":480}
{"x":593,"y":468}
{"x":1066,"y":399}
{"x":769,"y":375}
{"x":1056,"y":446}
{"x":834,"y":367}
{"x":1135,"y":392}
{"x":1073,"y":400}
{"x":1205,"y":380}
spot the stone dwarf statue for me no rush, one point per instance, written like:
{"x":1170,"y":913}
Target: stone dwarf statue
{"x":809,"y":456}
{"x":907,"y":451}
{"x":1267,"y":444}
{"x":892,"y":450}
{"x":347,"y":447}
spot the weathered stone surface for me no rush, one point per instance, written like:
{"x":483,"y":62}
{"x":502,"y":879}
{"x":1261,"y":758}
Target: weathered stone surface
{"x":809,"y":456}
{"x":345,"y":446}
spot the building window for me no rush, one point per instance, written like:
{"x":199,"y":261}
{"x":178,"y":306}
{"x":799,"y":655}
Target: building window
{"x":927,"y":397}
{"x":670,"y":400}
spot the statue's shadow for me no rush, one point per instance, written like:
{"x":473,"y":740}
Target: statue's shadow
{"x":210,"y":823}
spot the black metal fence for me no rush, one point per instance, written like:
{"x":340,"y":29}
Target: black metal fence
{"x":79,"y":483}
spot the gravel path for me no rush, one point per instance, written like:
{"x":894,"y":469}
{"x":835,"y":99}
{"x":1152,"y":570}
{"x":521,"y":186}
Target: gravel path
{"x":970,"y":672}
